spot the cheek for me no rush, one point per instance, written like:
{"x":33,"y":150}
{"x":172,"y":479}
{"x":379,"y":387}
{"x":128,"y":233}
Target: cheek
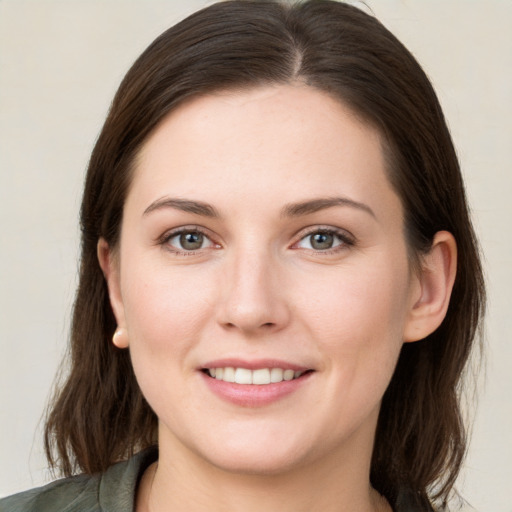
{"x":165,"y":308}
{"x":357,"y":319}
{"x":166,"y":313}
{"x":348,"y":303}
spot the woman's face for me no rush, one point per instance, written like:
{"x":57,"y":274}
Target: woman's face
{"x":262,"y":240}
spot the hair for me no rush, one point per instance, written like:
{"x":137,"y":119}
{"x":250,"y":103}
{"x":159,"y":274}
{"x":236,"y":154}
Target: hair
{"x":99,"y":415}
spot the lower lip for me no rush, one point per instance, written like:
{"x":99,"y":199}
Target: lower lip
{"x":254,"y":395}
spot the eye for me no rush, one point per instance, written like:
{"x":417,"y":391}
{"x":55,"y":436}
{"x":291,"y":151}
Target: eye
{"x":323,"y":240}
{"x":188,"y":241}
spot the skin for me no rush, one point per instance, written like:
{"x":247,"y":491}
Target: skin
{"x":257,"y":288}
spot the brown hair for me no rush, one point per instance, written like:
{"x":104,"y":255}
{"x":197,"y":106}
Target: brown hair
{"x":99,"y":416}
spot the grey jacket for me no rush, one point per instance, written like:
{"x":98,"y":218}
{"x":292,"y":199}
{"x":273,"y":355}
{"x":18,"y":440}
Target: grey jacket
{"x":114,"y":491}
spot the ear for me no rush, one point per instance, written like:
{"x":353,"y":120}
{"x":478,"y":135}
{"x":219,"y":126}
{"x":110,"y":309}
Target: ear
{"x":436,"y":277}
{"x":109,"y":264}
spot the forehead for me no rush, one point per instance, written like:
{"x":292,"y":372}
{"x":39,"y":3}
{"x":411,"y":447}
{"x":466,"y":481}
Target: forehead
{"x":290,"y":138}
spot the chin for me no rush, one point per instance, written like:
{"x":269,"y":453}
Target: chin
{"x":264,"y":464}
{"x":268,"y":453}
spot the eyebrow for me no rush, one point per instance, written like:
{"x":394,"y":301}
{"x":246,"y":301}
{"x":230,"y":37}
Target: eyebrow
{"x":289,"y":210}
{"x":185,"y":205}
{"x":315,"y":205}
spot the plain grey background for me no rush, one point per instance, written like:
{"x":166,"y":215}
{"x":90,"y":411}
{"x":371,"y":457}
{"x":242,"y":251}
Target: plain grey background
{"x":60,"y":64}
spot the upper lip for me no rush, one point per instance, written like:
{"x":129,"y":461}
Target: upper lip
{"x":254,"y":364}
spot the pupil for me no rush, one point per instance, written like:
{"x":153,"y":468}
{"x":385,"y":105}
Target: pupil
{"x":322,"y":241}
{"x":191,"y":241}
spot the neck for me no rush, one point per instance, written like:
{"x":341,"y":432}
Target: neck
{"x":183,"y":482}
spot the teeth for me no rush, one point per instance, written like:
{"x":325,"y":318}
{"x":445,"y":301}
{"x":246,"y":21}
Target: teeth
{"x":260,"y":376}
{"x":229,"y":375}
{"x":288,"y":374}
{"x":243,"y":376}
{"x":276,"y":375}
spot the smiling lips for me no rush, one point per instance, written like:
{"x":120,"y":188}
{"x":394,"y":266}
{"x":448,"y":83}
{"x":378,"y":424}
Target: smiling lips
{"x":260,"y":376}
{"x":254,"y":384}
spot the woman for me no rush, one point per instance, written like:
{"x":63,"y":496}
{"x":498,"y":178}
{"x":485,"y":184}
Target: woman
{"x":280,"y":285}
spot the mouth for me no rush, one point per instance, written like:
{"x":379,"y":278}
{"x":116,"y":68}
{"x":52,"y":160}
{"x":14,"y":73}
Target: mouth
{"x":254,"y":383}
{"x":258,"y":376}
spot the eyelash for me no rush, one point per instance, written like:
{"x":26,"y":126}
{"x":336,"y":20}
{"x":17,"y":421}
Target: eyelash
{"x":346,"y":240}
{"x":165,"y":239}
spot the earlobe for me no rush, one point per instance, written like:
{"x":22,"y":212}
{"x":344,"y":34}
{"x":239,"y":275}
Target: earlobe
{"x":436,"y":278}
{"x":110,"y":267}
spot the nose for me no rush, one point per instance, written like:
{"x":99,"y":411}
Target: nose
{"x":253,"y":299}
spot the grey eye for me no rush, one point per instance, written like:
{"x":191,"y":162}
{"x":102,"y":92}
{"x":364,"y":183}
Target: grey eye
{"x":189,"y":241}
{"x":321,"y":241}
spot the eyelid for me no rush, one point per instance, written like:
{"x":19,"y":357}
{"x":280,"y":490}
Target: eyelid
{"x":346,"y":238}
{"x":171,"y":233}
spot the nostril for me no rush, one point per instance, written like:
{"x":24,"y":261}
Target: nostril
{"x":266,"y":324}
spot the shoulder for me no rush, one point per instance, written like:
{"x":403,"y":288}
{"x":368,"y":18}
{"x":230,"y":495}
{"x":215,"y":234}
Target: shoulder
{"x":112,"y":491}
{"x":62,"y":495}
